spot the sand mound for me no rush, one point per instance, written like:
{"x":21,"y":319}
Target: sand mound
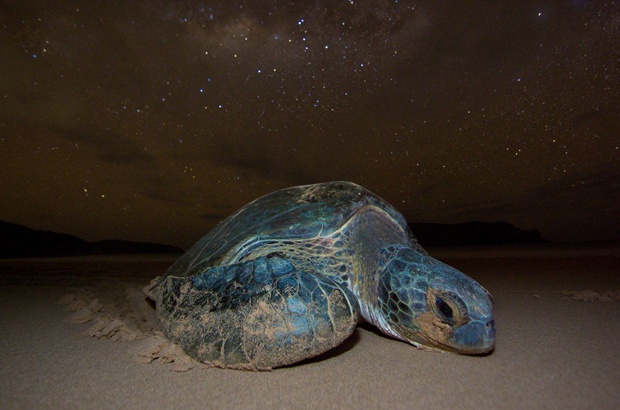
{"x":121,"y":312}
{"x":591,"y":296}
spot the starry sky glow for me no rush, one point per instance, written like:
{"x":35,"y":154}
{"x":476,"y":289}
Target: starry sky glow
{"x":152,"y":121}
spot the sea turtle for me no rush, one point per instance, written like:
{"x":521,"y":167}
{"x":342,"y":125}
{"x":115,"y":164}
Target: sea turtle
{"x":288,"y":276}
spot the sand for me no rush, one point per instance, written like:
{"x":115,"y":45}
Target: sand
{"x":557,"y":336}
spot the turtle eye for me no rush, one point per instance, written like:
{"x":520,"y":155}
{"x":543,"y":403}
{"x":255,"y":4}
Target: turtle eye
{"x":444,"y":309}
{"x":448,"y":307}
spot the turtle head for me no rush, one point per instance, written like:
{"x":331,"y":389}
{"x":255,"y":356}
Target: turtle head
{"x":430,"y":304}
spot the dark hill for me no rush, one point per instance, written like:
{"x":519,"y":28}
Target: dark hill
{"x":18,"y":241}
{"x":473,"y":233}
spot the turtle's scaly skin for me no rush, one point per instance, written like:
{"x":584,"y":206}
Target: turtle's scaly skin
{"x":287,"y":276}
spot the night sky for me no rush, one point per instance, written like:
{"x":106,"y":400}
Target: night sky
{"x":153,"y":120}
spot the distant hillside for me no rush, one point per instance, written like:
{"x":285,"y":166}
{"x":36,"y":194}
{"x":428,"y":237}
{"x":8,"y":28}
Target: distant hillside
{"x":473,"y":233}
{"x":18,"y":241}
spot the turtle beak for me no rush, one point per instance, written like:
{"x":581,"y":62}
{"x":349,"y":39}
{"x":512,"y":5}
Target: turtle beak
{"x":474,"y":338}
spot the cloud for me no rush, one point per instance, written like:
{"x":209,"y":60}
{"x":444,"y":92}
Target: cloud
{"x":125,"y":154}
{"x":581,"y":206}
{"x":166,"y":196}
{"x":111,"y":148}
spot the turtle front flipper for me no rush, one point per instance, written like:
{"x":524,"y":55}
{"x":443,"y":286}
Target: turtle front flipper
{"x":257,"y":314}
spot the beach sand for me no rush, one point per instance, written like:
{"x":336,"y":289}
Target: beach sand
{"x":557,"y":343}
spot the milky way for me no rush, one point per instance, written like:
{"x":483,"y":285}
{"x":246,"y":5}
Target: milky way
{"x":155,"y":120}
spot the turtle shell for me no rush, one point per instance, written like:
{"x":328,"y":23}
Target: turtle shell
{"x":300,"y":212}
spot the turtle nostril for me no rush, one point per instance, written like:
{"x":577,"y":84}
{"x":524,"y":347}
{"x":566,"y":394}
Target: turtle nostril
{"x":491,"y":329}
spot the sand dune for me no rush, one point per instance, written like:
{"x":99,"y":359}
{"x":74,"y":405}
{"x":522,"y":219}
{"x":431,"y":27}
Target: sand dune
{"x":557,"y":323}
